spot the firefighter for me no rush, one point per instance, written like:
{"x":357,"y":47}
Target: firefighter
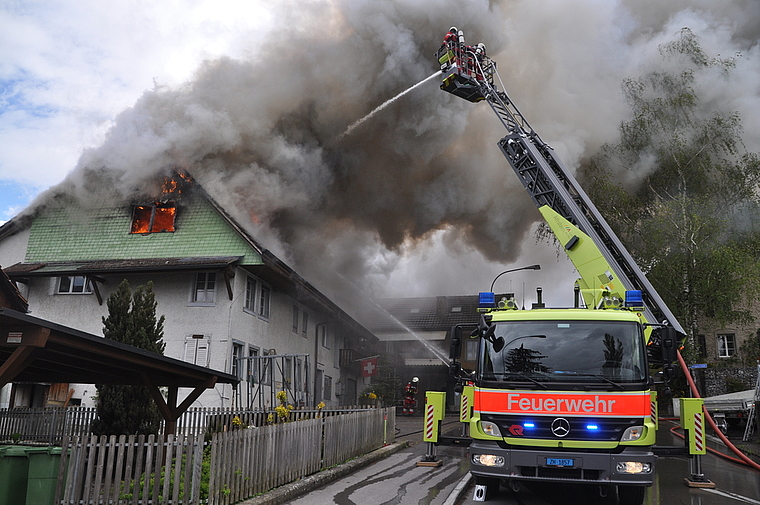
{"x":451,"y":36}
{"x":410,"y":397}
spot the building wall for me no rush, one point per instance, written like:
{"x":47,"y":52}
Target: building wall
{"x":13,"y":248}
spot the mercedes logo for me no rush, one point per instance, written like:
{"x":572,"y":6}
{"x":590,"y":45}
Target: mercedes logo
{"x":560,"y":427}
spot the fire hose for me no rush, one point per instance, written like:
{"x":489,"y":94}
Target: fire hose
{"x":744,"y":458}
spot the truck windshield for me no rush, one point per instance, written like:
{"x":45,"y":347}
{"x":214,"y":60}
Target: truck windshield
{"x":602,"y":352}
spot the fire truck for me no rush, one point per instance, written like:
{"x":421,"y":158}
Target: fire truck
{"x":561,"y":395}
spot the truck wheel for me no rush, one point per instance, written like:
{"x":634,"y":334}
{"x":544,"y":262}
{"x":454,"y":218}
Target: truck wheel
{"x":631,"y":495}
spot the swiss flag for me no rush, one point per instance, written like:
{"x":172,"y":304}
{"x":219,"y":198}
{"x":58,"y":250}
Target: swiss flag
{"x":369,"y":366}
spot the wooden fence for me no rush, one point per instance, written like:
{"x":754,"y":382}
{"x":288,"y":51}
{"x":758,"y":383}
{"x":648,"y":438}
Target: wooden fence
{"x":233,"y":466}
{"x":51,"y":425}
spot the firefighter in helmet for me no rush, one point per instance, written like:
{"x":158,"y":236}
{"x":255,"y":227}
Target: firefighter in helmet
{"x":410,"y":397}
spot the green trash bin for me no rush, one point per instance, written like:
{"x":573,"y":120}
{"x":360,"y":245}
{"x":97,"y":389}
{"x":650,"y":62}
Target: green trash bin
{"x":43,"y":474}
{"x":14,"y":470}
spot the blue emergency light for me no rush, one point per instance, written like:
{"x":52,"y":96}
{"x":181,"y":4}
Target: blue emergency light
{"x":487,"y":300}
{"x":634,"y":299}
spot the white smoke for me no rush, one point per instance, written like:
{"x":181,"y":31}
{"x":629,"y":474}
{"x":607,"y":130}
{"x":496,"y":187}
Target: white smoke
{"x":419,"y":191}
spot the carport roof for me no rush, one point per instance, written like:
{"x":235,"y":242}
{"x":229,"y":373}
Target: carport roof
{"x":36,"y":350}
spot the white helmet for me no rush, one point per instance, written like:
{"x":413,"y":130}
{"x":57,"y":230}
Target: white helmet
{"x":415,"y":379}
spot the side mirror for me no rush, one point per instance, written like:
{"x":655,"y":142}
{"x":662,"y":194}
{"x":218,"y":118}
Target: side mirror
{"x":669,"y":342}
{"x":498,"y":343}
{"x":455,"y":349}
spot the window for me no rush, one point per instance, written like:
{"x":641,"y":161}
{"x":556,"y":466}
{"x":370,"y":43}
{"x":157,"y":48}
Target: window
{"x":322,"y":334}
{"x":205,"y":289}
{"x":253,"y":364}
{"x":471,"y":350}
{"x":298,"y":377}
{"x":250,"y":295}
{"x":265,"y":374}
{"x":264,"y":301}
{"x":237,"y":353}
{"x":726,"y":345}
{"x":70,"y":284}
{"x":197,"y":350}
{"x":158,"y":217}
{"x":305,"y":324}
{"x":702,"y":346}
{"x":328,"y":387}
{"x":295,"y":319}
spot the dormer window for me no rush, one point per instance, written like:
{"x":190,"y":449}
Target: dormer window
{"x":72,"y":284}
{"x":155,"y":218}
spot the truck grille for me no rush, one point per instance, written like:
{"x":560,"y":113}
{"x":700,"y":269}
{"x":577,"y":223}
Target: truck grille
{"x":559,"y":473}
{"x":605,"y":429}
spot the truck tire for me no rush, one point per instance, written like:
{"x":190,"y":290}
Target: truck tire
{"x":631,"y":495}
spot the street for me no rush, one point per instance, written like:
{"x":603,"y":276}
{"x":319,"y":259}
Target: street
{"x":398,"y":480}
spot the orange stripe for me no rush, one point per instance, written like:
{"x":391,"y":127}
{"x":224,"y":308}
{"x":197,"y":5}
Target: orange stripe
{"x":563,"y":403}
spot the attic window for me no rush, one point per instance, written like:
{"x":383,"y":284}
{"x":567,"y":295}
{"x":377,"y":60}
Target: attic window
{"x":155,"y":218}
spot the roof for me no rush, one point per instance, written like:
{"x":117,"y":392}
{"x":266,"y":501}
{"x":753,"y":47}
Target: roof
{"x":10,"y":296}
{"x":49,"y":352}
{"x":437,"y":313}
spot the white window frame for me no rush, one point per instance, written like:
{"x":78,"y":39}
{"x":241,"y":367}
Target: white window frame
{"x":723,"y":348}
{"x":296,"y":319}
{"x":209,"y":292}
{"x":237,"y":353}
{"x":249,"y":302}
{"x":197,"y":349}
{"x":265,"y":301}
{"x":86,"y":285}
{"x":322,"y":335}
{"x":327,"y":389}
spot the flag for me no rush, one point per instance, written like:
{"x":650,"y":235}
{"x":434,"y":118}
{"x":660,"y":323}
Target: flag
{"x":369,"y":366}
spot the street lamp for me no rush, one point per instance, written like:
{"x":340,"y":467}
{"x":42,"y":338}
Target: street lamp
{"x":532,"y":267}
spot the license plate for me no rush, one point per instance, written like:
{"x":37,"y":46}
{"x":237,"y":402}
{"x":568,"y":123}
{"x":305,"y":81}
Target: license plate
{"x":559,"y":462}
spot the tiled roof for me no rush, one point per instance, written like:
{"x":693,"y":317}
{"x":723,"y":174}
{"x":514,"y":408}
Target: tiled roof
{"x":69,"y":233}
{"x":437,"y":313}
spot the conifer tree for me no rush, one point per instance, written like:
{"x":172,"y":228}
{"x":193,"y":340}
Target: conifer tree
{"x":127,"y":410}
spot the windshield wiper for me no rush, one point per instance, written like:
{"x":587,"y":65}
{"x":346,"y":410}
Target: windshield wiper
{"x":605,"y":379}
{"x":525,"y":376}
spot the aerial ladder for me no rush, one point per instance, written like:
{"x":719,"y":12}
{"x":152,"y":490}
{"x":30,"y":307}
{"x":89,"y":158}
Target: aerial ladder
{"x":607,"y":271}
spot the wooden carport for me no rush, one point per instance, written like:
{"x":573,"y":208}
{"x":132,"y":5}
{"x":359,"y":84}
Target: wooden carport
{"x":35,"y":350}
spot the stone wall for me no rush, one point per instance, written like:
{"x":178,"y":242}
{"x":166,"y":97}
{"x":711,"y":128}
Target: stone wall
{"x":713,"y":380}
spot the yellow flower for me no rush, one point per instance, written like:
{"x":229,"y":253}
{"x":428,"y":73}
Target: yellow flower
{"x":372,"y":396}
{"x":282,"y":396}
{"x":320,"y":405}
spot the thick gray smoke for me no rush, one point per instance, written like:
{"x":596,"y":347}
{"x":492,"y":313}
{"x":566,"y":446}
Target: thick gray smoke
{"x":263,"y":135}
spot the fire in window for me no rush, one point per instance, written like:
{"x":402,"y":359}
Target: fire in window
{"x":155,"y":218}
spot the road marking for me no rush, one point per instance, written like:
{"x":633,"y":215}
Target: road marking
{"x":735,"y":496}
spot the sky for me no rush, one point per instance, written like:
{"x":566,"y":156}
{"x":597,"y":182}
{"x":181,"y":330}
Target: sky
{"x":252,"y":99}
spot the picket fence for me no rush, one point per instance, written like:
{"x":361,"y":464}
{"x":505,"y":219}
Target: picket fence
{"x":51,"y":425}
{"x":232,"y":466}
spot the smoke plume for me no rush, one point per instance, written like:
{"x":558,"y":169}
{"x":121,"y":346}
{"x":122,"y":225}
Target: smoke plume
{"x":422,"y":180}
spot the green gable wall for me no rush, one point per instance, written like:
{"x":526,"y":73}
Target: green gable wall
{"x":74,"y":234}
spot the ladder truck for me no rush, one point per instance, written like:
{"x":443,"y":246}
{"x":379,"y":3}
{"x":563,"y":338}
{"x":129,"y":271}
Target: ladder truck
{"x":561,"y":395}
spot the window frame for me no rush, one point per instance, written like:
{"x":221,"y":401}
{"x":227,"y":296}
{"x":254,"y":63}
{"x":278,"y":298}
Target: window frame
{"x":265,"y":301}
{"x":237,"y":352}
{"x":296,"y":318}
{"x":194,"y":301}
{"x":86,"y":285}
{"x":722,"y":343}
{"x":251,"y":289}
{"x":305,"y":325}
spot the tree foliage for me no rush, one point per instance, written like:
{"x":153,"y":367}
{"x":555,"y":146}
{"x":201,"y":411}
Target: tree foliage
{"x":680,"y":189}
{"x":127,"y":410}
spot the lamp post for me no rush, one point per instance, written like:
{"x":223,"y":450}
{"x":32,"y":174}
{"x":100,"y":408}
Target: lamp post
{"x":531,"y":267}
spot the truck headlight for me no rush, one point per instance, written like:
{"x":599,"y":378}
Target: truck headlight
{"x":632,"y":433}
{"x":488,"y":459}
{"x":490,"y":428}
{"x":633,"y":467}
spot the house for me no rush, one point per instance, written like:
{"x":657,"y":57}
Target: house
{"x":416,"y":333}
{"x":229,"y":303}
